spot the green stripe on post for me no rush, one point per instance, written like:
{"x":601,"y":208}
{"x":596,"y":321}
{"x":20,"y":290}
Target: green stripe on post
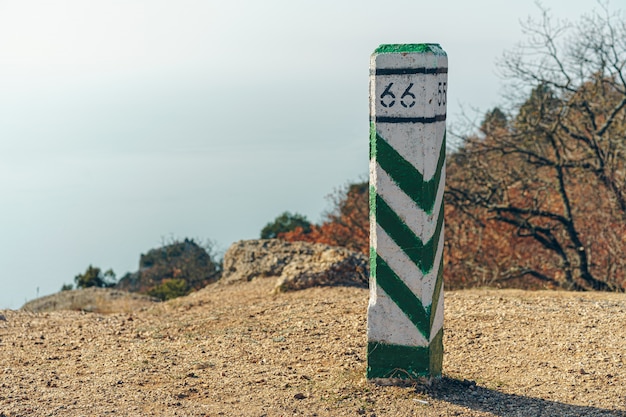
{"x":437,"y":292}
{"x":402,"y":296}
{"x":422,"y":254}
{"x":406,"y":176}
{"x":394,"y":361}
{"x":435,"y":351}
{"x":405,"y":362}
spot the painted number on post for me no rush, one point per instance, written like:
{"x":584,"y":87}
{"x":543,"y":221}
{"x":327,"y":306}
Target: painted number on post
{"x":407,"y":99}
{"x":441,"y":93}
{"x":387,"y":98}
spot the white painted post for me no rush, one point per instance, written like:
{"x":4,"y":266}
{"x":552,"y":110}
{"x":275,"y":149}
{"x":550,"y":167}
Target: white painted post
{"x":408,"y":86}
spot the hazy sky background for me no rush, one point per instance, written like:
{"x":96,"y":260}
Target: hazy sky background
{"x":126,"y":123}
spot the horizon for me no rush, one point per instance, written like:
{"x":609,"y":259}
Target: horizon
{"x":127,"y":123}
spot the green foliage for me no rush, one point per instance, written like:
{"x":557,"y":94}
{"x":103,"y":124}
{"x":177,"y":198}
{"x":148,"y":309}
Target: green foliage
{"x":173,"y":270}
{"x":67,"y":287}
{"x":94,"y":277}
{"x":286,"y":222}
{"x":170,"y":288}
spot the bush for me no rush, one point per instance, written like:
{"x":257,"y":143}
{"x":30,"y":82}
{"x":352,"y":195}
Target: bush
{"x":171,"y":288}
{"x":284,"y":223}
{"x":173,"y":270}
{"x":94,"y":277}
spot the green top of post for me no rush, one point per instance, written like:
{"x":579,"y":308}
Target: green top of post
{"x":420,"y":48}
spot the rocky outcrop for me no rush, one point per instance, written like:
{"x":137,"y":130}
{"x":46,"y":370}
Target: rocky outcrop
{"x":296,"y":265}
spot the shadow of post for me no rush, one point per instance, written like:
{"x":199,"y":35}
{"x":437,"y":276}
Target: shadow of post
{"x":467,"y":394}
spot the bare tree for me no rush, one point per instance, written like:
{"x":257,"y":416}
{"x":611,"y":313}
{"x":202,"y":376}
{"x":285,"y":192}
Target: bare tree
{"x":557,"y":158}
{"x":584,"y":66}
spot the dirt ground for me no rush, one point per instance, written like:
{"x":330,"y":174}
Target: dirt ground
{"x":239,"y":350}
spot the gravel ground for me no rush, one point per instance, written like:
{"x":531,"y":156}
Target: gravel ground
{"x":239,"y":350}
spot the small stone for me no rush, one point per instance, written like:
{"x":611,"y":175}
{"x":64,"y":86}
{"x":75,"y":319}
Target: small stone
{"x":2,"y":317}
{"x":299,"y":396}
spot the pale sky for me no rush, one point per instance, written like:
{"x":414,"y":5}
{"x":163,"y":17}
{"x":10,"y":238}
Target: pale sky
{"x":125,"y":123}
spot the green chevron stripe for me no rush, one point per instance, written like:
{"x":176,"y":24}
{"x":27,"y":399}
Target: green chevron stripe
{"x":423,"y":255}
{"x":436,"y":294}
{"x":404,"y":174}
{"x":436,"y":354}
{"x":372,"y":201}
{"x":401,"y":295}
{"x":405,"y":362}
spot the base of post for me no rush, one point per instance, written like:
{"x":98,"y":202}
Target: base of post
{"x":397,"y":382}
{"x":387,"y":363}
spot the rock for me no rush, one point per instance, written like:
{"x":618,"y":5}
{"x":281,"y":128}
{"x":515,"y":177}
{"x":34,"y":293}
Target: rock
{"x":330,"y":266}
{"x":297,"y":265}
{"x":248,"y":259}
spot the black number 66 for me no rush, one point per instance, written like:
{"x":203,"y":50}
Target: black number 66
{"x":388,"y":98}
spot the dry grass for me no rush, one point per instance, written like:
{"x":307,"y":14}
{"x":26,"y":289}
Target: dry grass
{"x":93,"y":300}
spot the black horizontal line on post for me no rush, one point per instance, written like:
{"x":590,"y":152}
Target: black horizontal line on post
{"x":410,"y":71}
{"x":395,"y":119}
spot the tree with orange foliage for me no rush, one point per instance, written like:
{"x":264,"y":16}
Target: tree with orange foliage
{"x":551,"y":176}
{"x":346,"y":224}
{"x":536,"y":198}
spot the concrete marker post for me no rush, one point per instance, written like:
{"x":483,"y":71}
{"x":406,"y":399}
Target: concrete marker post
{"x":408,"y":89}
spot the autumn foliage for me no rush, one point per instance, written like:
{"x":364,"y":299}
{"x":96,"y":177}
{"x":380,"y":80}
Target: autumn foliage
{"x":543,"y":185}
{"x":347,"y":224}
{"x":536,"y":194}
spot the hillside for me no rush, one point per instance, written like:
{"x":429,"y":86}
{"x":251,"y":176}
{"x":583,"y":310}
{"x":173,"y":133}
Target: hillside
{"x":98,"y":300}
{"x":240,"y":350}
